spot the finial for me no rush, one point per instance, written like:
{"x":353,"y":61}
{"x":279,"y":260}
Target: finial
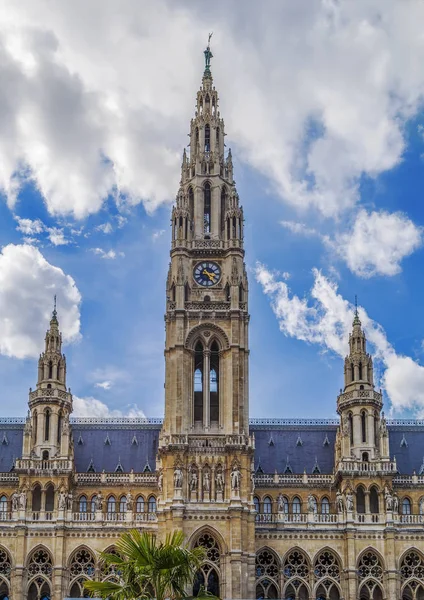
{"x":208,"y":55}
{"x":54,"y":314}
{"x":356,"y":320}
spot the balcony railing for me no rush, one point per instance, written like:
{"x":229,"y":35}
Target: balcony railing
{"x":37,"y":465}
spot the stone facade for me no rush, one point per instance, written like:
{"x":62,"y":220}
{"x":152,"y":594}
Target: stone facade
{"x":299,"y":509}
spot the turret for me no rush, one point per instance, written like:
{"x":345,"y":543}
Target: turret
{"x":47,"y":432}
{"x":363,"y":435}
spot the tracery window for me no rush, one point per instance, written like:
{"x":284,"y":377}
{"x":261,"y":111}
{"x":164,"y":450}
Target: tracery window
{"x":40,"y":570}
{"x":82,"y":569}
{"x":267,"y":572}
{"x":208,"y":574}
{"x":370,"y":576}
{"x":327,"y":576}
{"x":109,"y":572}
{"x":206,"y":384}
{"x":5,"y":570}
{"x":412,"y":576}
{"x":296,"y":570}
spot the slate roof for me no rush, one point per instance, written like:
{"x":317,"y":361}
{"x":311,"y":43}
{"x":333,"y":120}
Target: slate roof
{"x":282,"y":445}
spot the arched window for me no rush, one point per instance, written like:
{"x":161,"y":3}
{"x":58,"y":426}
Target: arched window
{"x":370,"y":576}
{"x":241,"y":293}
{"x":3,"y":507}
{"x":364,"y":425}
{"x":50,"y":498}
{"x":360,"y":500}
{"x":36,"y":498}
{"x":139,"y":505}
{"x":82,"y":568}
{"x":45,"y":455}
{"x":267,"y":575}
{"x":123,"y":504}
{"x":50,"y":370}
{"x":267,"y":508}
{"x":325,"y":506}
{"x":327,"y":574}
{"x":207,"y":576}
{"x":352,"y":372}
{"x":47,"y":425}
{"x":214,"y":384}
{"x":152,"y":504}
{"x":374,"y":504}
{"x":93,"y":503}
{"x":411,"y":572}
{"x":296,"y":572}
{"x":207,"y":208}
{"x":198,"y":383}
{"x":207,"y":138}
{"x":111,"y":504}
{"x":296,"y":506}
{"x":406,"y":506}
{"x":256,"y":503}
{"x":82,"y":504}
{"x":5,"y":571}
{"x":223,"y":208}
{"x":234,"y":228}
{"x":40,"y":569}
{"x":360,"y":371}
{"x":350,"y":420}
{"x":59,"y":425}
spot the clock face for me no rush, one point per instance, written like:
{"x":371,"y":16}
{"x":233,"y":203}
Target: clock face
{"x":207,"y":273}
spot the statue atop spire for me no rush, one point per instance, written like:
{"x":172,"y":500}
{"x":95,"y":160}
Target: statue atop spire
{"x":208,"y":55}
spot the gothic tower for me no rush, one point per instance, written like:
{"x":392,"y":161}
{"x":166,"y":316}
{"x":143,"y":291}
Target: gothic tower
{"x":205,"y":452}
{"x":47,"y":434}
{"x":363,"y":432}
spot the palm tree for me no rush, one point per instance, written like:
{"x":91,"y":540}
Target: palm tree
{"x":147,"y":568}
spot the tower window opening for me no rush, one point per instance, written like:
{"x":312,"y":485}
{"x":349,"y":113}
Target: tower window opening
{"x":47,"y":426}
{"x":191,"y":201}
{"x":173,"y":293}
{"x":214,"y":384}
{"x":35,"y":426}
{"x":59,"y":426}
{"x":207,"y":138}
{"x":364,"y":426}
{"x":227,"y":293}
{"x":223,"y":207}
{"x":207,"y":208}
{"x":45,"y":455}
{"x":360,"y":500}
{"x":50,"y":370}
{"x":241,"y":293}
{"x":352,"y":371}
{"x":360,"y":370}
{"x":186,"y":292}
{"x":213,"y":106}
{"x":197,"y":137}
{"x":234,"y":227}
{"x":198,"y":383}
{"x":350,"y":418}
{"x":207,"y":102}
{"x":228,"y":229}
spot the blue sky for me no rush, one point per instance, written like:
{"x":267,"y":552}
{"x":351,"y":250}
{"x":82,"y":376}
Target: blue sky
{"x":324,"y":115}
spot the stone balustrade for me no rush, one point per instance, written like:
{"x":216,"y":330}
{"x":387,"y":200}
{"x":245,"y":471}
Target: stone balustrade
{"x":39,"y":466}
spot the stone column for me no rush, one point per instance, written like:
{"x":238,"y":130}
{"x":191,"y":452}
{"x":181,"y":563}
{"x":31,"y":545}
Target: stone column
{"x":367,"y":502}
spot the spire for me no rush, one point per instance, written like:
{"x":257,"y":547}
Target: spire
{"x":208,"y":55}
{"x":356,"y":320}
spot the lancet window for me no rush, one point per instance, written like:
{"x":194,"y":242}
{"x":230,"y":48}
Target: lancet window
{"x":412,"y":576}
{"x":267,"y":573}
{"x":208,"y":576}
{"x":40,"y":569}
{"x":206,"y":385}
{"x":207,"y":208}
{"x":82,"y":568}
{"x":5,"y":571}
{"x":327,"y":576}
{"x":370,"y":576}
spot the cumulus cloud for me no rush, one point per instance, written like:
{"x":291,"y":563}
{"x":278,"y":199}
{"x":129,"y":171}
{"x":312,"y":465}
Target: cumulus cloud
{"x":325,"y":318}
{"x":105,"y":228}
{"x":105,"y":385}
{"x":320,"y":98}
{"x":57,"y":237}
{"x":91,"y":407}
{"x":28,"y":283}
{"x":29,"y":226}
{"x":378,"y":242}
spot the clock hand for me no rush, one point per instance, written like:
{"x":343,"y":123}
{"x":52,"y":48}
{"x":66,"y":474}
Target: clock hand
{"x":210,"y":275}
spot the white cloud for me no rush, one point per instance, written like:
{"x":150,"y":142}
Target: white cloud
{"x":110,"y":254}
{"x":325,"y":319}
{"x":105,"y":385}
{"x":27,"y":286}
{"x":105,"y":228}
{"x":57,"y":237}
{"x":299,"y":228}
{"x":30,"y":227}
{"x":378,"y":242}
{"x":91,"y":407}
{"x":157,"y":234}
{"x":320,"y":98}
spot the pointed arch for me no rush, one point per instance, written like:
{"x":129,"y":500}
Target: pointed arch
{"x":208,"y":575}
{"x":197,"y":333}
{"x":267,"y":570}
{"x":39,"y":566}
{"x":360,"y":499}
